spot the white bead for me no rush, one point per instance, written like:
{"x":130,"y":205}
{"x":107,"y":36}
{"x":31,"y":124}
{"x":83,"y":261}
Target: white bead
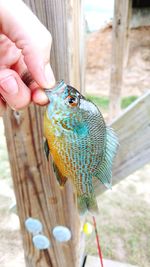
{"x":41,"y":242}
{"x":62,"y":233}
{"x":33,"y":226}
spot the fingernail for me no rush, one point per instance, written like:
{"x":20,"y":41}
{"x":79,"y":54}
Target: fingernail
{"x":49,"y":76}
{"x":9,"y":85}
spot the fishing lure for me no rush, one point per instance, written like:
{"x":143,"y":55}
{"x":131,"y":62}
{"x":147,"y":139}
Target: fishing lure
{"x":81,"y":145}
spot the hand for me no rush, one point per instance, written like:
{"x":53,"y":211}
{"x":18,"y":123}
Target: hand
{"x":24,"y":56}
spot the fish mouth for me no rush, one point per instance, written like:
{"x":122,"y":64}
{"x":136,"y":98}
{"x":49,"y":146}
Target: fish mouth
{"x":59,"y":86}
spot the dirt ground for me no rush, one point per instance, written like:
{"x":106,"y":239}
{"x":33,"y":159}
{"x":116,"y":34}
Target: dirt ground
{"x":136,"y":78}
{"x":124,"y":217}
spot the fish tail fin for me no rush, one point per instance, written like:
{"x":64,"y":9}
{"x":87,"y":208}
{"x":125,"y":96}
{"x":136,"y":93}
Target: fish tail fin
{"x":87,"y":202}
{"x":104,"y":172}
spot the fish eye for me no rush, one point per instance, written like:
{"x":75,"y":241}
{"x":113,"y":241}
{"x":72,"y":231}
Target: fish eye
{"x":72,"y":101}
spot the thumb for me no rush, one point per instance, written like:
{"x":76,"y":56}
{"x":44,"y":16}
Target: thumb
{"x":22,"y":27}
{"x":13,"y":90}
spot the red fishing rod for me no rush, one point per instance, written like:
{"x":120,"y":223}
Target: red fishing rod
{"x":98,"y":242}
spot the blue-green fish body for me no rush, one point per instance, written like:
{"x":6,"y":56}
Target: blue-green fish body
{"x":81,"y":145}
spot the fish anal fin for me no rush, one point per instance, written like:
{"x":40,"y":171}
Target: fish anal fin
{"x":104,"y":170}
{"x":60,"y":178}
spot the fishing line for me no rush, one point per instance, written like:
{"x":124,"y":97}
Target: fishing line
{"x":98,"y":242}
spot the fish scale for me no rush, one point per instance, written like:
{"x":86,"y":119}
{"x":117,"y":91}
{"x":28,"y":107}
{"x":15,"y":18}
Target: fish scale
{"x":81,"y":145}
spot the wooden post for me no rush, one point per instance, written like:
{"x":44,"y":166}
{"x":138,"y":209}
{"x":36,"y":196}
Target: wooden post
{"x":122,"y":13}
{"x":127,"y":36}
{"x":37,"y":192}
{"x":64,"y":19}
{"x":76,"y":41}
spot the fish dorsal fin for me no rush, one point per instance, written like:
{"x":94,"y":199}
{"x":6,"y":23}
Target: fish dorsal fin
{"x":104,"y":171}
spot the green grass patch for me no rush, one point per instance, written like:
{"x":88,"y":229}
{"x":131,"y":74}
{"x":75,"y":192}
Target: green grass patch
{"x":126,"y":101}
{"x":103,"y":102}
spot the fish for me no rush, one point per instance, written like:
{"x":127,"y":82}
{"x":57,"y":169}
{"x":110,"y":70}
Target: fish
{"x":82,"y":147}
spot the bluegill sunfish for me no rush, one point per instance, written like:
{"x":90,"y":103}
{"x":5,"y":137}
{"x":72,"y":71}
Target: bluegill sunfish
{"x":81,"y":145}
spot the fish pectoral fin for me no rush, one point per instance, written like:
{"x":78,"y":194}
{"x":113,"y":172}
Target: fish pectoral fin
{"x":104,"y":170}
{"x":46,"y":148}
{"x":60,"y":178}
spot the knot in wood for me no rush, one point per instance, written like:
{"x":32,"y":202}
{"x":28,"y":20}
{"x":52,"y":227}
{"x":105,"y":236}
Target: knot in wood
{"x":17,"y":116}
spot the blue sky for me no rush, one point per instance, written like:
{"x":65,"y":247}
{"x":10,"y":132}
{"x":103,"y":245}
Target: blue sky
{"x":98,"y":12}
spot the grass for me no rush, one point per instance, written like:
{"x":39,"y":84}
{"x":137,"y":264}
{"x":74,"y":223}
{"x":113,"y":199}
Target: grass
{"x":103,"y":102}
{"x":124,"y":221}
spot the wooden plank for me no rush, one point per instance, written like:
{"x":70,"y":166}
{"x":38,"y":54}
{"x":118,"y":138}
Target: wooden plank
{"x":37,"y":192}
{"x":122,"y":13}
{"x":127,"y":35}
{"x":94,"y":262}
{"x":65,"y":23}
{"x":133,"y":129}
{"x":81,"y":45}
{"x":76,"y":39}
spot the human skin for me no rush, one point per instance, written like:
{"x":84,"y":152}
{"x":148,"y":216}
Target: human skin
{"x":25,"y":46}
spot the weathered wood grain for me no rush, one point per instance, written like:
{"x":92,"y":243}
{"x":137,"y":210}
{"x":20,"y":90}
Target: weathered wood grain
{"x":65,"y":21}
{"x":120,"y":46}
{"x":37,"y":192}
{"x":133,"y":129}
